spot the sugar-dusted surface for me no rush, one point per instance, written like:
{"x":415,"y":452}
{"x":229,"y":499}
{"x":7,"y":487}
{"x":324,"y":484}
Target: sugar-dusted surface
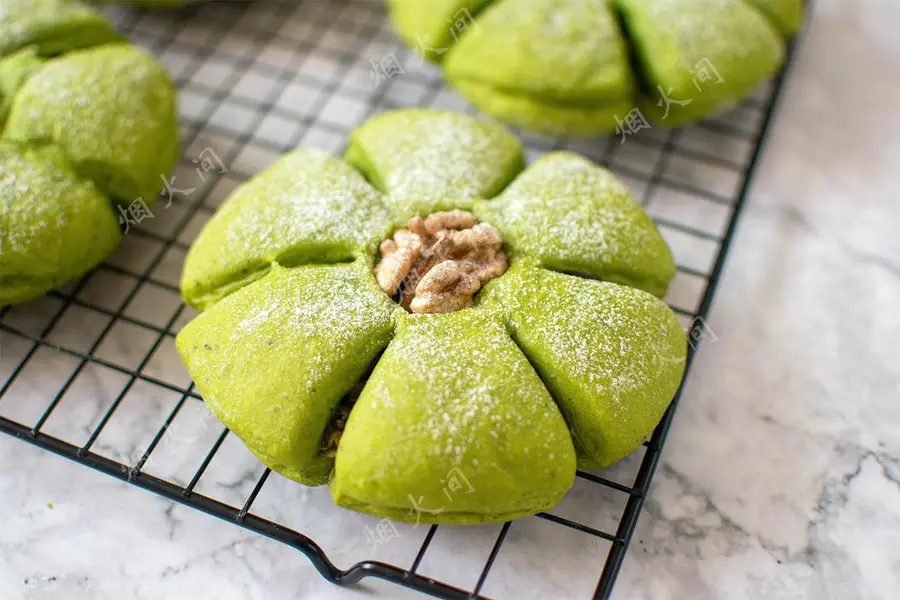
{"x":582,"y":66}
{"x":42,"y":244}
{"x":53,"y":25}
{"x":428,"y":161}
{"x":453,"y":397}
{"x":578,"y":217}
{"x":611,"y":355}
{"x":571,"y":52}
{"x":779,"y":413}
{"x":698,"y":56}
{"x":112,"y":109}
{"x":309,"y":207}
{"x":273,"y":359}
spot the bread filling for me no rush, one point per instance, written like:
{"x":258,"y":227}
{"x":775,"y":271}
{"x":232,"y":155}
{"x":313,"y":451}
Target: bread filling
{"x":438,"y":264}
{"x":332,"y":436}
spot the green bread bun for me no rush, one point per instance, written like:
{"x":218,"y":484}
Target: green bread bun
{"x":121,"y":131}
{"x":52,"y":26}
{"x":496,"y":403}
{"x":47,"y":216}
{"x":86,"y":121}
{"x":581,"y":66}
{"x":534,"y":60}
{"x":676,"y":41}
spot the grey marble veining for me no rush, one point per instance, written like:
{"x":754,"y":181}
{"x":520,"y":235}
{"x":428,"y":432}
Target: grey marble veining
{"x":780,"y":479}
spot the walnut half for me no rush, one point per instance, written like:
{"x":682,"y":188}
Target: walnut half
{"x":439,"y":263}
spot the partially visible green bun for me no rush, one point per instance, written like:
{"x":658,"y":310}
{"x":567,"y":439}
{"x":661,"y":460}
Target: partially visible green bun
{"x":112,"y":109}
{"x":52,"y":26}
{"x":55,"y":225}
{"x":583,"y":66}
{"x":86,"y":121}
{"x":699,"y":55}
{"x":15,"y":70}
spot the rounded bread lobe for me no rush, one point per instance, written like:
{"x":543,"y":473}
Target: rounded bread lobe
{"x":308,"y":207}
{"x":453,"y":398}
{"x":273,"y":359}
{"x":42,"y":243}
{"x":112,"y":109}
{"x":52,"y":26}
{"x":611,"y":355}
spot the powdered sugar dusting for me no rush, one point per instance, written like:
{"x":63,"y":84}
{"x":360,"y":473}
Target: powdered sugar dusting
{"x":112,"y":109}
{"x":309,"y":207}
{"x":613,"y":355}
{"x":23,"y":22}
{"x":273,"y":359}
{"x":576,"y":216}
{"x":425,"y":157}
{"x":41,"y":242}
{"x":455,"y":388}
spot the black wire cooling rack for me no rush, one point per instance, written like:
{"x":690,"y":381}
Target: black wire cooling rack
{"x":90,"y":372}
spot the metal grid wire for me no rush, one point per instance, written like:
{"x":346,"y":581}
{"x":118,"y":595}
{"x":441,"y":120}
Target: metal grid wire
{"x":91,"y":372}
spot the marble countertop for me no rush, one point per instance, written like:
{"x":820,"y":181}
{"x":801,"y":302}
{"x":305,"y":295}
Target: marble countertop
{"x":781,"y":476}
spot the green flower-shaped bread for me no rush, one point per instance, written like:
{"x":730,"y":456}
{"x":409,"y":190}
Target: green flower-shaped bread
{"x":581,"y":66}
{"x":498,"y":403}
{"x":87,"y":122}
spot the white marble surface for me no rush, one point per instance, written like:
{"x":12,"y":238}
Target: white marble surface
{"x":780,"y":480}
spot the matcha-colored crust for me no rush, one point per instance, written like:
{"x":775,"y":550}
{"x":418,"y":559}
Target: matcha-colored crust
{"x":273,"y":359}
{"x":52,"y":26}
{"x":121,"y":131}
{"x":453,"y":392}
{"x":581,"y":66}
{"x":611,"y":355}
{"x":468,"y":417}
{"x":86,"y":121}
{"x":43,"y":243}
{"x":398,"y":153}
